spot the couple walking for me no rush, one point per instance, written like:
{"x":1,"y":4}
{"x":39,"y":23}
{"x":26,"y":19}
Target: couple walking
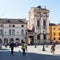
{"x":24,"y":47}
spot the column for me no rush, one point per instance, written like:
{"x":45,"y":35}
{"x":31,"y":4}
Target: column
{"x":41,"y":30}
{"x":35,"y":24}
{"x":47,"y":30}
{"x":35,"y":30}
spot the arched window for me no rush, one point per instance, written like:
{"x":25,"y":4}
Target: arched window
{"x":22,"y":31}
{"x":38,"y":22}
{"x":11,"y":39}
{"x":13,"y":32}
{"x":10,"y":31}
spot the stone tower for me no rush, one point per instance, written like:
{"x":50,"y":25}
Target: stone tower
{"x":39,"y":19}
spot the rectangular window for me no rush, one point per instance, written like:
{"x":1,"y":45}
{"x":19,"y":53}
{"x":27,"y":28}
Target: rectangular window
{"x":22,"y":32}
{"x":59,"y":34}
{"x":13,"y":32}
{"x":38,"y":36}
{"x":1,"y":32}
{"x":44,"y":36}
{"x":38,"y":23}
{"x":54,"y":34}
{"x":54,"y":38}
{"x":44,"y":23}
{"x":59,"y":38}
{"x":10,"y":31}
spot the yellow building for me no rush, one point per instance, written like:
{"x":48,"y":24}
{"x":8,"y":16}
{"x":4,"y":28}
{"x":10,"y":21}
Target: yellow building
{"x":54,"y":32}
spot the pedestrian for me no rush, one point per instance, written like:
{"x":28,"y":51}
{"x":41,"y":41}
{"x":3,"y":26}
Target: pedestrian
{"x":53,"y":48}
{"x":12,"y":47}
{"x":24,"y":48}
{"x":6,"y":44}
{"x":54,"y":42}
{"x":0,"y":43}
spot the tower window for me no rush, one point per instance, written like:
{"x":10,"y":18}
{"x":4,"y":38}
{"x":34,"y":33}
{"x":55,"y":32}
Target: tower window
{"x":44,"y":36}
{"x":38,"y":23}
{"x":54,"y":38}
{"x":22,"y":31}
{"x":38,"y":36}
{"x":44,"y":23}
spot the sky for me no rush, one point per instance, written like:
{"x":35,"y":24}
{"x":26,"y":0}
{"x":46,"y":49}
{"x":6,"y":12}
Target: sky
{"x":20,"y":8}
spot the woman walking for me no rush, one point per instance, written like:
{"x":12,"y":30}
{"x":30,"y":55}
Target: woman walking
{"x":53,"y":48}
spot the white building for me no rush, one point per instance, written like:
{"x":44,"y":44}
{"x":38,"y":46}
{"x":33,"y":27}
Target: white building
{"x":12,"y":29}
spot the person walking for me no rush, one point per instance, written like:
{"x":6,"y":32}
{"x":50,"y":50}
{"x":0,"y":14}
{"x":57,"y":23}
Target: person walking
{"x":0,"y":44}
{"x":53,"y":48}
{"x":24,"y":48}
{"x":12,"y":47}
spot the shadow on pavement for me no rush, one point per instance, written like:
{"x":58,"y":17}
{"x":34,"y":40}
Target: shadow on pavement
{"x":29,"y":56}
{"x":36,"y":56}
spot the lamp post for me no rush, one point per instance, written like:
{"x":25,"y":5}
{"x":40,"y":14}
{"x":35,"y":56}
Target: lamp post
{"x":35,"y":39}
{"x":26,"y":33}
{"x":43,"y":49}
{"x":35,"y":30}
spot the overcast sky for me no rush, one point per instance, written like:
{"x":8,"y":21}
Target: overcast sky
{"x":20,"y":8}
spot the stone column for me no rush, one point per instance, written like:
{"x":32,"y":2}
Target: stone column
{"x":35,"y":38}
{"x":35,"y":24}
{"x":35,"y":31}
{"x":47,"y":30}
{"x":41,"y":30}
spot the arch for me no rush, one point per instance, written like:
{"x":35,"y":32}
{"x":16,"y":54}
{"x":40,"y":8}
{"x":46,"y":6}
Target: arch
{"x":31,"y":40}
{"x":11,"y":39}
{"x":17,"y":41}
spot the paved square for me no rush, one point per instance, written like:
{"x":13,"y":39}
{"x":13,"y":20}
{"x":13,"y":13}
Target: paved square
{"x":32,"y":53}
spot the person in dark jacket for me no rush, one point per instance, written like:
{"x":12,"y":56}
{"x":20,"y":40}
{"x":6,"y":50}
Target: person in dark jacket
{"x":12,"y":47}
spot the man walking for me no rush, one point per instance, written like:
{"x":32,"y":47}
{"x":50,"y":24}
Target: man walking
{"x":12,"y":47}
{"x":24,"y":48}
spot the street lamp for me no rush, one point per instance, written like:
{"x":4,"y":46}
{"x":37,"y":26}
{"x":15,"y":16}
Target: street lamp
{"x":43,"y":49}
{"x":26,"y":34}
{"x":35,"y":40}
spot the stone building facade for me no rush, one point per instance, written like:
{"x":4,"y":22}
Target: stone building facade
{"x":12,"y":29}
{"x":39,"y":23}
